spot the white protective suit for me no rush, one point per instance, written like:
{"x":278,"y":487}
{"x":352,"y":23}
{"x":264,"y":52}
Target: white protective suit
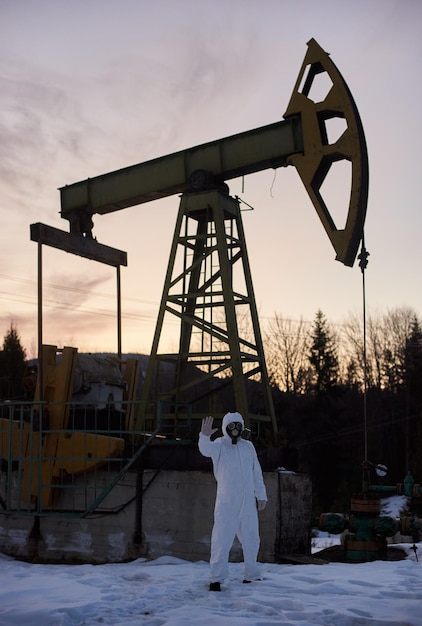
{"x":239,"y":484}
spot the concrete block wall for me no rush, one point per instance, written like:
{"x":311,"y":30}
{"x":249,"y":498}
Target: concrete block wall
{"x":177,"y":518}
{"x":189,"y":499}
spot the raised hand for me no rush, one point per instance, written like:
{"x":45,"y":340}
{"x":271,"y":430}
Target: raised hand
{"x":207,"y":430}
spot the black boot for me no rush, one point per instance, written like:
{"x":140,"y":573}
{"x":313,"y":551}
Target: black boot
{"x":215,"y":587}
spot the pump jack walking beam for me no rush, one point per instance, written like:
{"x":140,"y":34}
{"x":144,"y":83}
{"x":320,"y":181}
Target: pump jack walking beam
{"x":188,"y":170}
{"x":300,"y":140}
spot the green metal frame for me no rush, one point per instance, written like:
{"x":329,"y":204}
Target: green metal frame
{"x":301,"y":140}
{"x":208,"y":289}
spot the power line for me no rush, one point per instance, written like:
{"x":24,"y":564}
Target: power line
{"x":372,"y":425}
{"x":57,"y":305}
{"x":66,"y":288}
{"x":74,"y":289}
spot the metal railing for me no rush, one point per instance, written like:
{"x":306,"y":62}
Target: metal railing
{"x":72,"y":471}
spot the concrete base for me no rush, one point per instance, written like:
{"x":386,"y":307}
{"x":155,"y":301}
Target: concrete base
{"x":173,"y":517}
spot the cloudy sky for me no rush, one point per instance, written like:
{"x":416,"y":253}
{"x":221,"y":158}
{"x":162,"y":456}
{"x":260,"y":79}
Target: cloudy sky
{"x":90,"y":86}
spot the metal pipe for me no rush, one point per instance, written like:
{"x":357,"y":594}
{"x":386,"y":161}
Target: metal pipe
{"x":40,"y":324}
{"x":119,"y":315}
{"x":137,"y":535}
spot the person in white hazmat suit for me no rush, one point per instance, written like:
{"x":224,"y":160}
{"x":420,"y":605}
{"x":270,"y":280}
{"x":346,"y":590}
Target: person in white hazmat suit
{"x":240,"y":493}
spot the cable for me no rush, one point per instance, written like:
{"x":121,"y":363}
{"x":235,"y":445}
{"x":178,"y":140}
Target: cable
{"x":272,"y":184}
{"x":347,"y":432}
{"x":74,"y":289}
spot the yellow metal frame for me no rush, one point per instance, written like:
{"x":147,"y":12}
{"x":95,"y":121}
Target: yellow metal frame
{"x":318,"y":155}
{"x":48,"y":449}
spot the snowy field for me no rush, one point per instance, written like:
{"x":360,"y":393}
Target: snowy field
{"x":171,"y":592}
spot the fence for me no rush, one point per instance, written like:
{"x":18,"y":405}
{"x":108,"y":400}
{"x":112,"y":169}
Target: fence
{"x":70,"y":471}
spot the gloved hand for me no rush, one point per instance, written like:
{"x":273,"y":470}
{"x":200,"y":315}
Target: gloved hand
{"x":207,"y":430}
{"x":261,"y":505}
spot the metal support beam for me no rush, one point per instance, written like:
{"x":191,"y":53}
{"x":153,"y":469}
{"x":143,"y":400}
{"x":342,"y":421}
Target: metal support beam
{"x":84,"y":247}
{"x":208,"y":290}
{"x":231,"y":157}
{"x":76,"y":244}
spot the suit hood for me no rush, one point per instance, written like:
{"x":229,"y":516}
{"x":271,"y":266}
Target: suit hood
{"x":231,"y":417}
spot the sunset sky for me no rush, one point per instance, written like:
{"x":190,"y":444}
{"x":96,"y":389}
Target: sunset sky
{"x":91,"y":86}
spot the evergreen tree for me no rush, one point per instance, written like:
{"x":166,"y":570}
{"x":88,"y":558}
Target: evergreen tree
{"x":324,"y":421}
{"x":413,"y":378}
{"x":323,"y":356}
{"x":413,"y":360}
{"x":12,"y":362}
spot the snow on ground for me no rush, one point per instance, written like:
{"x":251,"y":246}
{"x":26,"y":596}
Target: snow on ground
{"x":172,"y":592}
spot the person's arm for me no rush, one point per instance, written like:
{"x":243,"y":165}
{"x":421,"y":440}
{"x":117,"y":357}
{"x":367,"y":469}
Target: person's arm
{"x":259,"y":486}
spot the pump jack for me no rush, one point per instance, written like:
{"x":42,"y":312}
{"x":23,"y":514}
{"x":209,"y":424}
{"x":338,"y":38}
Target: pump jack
{"x":208,"y":253}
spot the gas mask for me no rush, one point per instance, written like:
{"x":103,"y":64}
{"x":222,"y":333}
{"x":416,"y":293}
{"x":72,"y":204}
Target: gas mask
{"x":234,"y":431}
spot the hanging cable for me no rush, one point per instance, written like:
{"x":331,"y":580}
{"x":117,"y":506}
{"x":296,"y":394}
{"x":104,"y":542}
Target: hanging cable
{"x":363,"y":262}
{"x":272,"y":184}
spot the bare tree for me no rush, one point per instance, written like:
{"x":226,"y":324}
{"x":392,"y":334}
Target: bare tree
{"x":386,"y":338}
{"x":352,"y":350}
{"x":287,"y":347}
{"x":397,"y":330}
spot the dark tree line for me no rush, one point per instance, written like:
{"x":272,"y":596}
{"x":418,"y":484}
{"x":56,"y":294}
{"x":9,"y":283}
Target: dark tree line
{"x":338,"y":402}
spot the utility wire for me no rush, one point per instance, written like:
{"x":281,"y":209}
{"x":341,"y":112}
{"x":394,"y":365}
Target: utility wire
{"x":73,"y":289}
